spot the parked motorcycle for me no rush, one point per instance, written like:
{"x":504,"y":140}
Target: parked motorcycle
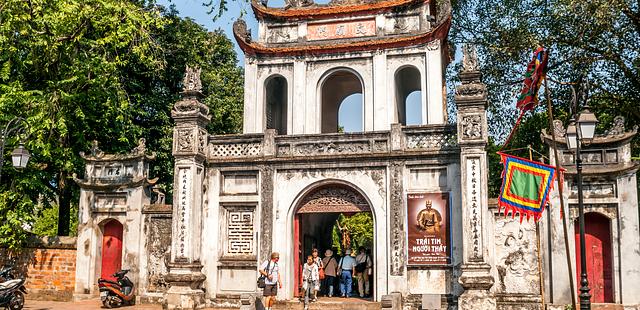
{"x":117,"y":293}
{"x":11,"y":290}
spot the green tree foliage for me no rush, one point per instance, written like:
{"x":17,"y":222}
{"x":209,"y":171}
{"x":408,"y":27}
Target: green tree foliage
{"x":598,"y":39}
{"x":360,"y":229}
{"x":105,"y":70}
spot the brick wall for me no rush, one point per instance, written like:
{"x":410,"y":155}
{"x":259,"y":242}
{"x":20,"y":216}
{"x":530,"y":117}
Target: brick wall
{"x":49,"y":265}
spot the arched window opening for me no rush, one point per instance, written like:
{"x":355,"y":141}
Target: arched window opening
{"x":276,"y":104}
{"x":342,"y":103}
{"x":408,"y":96}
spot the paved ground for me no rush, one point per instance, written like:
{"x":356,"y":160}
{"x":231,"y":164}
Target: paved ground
{"x":84,"y":305}
{"x":94,"y":304}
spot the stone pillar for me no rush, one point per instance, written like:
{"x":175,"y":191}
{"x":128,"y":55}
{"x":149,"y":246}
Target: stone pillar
{"x":189,"y":150}
{"x":471,"y":100}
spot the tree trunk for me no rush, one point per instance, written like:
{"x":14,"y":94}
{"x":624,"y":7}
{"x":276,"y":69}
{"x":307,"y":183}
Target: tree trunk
{"x":64,"y":205}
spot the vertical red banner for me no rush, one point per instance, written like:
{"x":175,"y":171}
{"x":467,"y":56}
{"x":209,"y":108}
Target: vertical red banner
{"x":428,"y":229}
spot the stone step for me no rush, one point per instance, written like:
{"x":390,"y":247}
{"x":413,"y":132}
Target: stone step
{"x":326,"y":303}
{"x":595,"y":306}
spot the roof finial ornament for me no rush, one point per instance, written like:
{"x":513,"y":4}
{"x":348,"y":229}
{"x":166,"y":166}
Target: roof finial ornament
{"x":95,"y":150}
{"x":469,"y":58}
{"x":241,"y":30}
{"x":191,"y":82}
{"x":297,"y":3}
{"x":141,"y":148}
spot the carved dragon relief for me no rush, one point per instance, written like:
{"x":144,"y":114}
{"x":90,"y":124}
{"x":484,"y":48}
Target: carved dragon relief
{"x":471,"y":126}
{"x":185,"y":140}
{"x":517,"y":262}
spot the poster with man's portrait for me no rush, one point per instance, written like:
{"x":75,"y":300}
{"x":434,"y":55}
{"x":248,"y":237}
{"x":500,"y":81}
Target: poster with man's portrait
{"x":428,"y":229}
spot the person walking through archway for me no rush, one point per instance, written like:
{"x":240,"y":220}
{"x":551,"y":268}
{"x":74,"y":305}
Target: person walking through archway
{"x":330,"y":265}
{"x":310,"y":280}
{"x":363,"y":265}
{"x":346,"y":265}
{"x":317,"y":260}
{"x":271,"y":271}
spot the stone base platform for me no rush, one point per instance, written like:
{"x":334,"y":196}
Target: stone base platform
{"x":598,"y":307}
{"x":325,"y":303}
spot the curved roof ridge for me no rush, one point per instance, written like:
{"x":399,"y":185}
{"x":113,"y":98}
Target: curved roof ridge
{"x":316,"y":11}
{"x":251,"y":47}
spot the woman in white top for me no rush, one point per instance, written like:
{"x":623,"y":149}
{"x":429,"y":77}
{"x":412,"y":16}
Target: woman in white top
{"x":310,"y":279}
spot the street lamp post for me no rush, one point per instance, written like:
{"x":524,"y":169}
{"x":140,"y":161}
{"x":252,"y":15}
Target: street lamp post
{"x":20,"y":156}
{"x":576,"y":135}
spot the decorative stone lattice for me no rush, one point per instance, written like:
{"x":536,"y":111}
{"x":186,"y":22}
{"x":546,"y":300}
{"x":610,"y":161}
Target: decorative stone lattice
{"x":236,"y":150}
{"x":431,"y":140}
{"x":240,"y":232}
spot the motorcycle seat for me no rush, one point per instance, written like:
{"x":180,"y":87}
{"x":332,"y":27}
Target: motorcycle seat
{"x":10,"y":284}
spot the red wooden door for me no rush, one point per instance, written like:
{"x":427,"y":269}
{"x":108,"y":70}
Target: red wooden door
{"x":111,"y":249}
{"x":297,"y":250}
{"x":598,"y":255}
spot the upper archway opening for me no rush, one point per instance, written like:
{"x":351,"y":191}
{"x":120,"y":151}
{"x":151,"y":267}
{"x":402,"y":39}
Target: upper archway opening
{"x":342,"y":103}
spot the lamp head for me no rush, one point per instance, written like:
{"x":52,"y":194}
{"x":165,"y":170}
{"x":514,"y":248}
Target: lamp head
{"x":572,"y":135}
{"x":587,"y":122}
{"x":20,"y":157}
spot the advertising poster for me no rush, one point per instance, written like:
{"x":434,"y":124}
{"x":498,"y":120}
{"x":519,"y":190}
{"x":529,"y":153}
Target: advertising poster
{"x":428,"y":229}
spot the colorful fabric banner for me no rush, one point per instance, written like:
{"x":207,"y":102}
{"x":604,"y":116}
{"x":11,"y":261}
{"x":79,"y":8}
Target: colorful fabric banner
{"x":525,"y":186}
{"x":536,"y":73}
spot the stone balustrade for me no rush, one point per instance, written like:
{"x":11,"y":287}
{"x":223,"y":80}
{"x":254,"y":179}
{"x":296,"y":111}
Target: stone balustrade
{"x":400,"y":139}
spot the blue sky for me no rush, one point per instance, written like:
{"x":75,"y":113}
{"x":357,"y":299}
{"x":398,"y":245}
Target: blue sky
{"x":350,"y":112}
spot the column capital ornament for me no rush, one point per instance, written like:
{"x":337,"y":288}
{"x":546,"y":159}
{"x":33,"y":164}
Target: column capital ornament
{"x":189,"y":107}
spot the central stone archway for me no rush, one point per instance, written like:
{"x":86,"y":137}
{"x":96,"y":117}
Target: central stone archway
{"x":314,"y":218}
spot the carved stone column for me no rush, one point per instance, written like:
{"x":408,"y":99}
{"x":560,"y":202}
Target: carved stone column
{"x":189,"y":150}
{"x":471,"y":99}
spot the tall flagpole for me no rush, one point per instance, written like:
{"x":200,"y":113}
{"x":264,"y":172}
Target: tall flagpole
{"x":540,"y":270}
{"x":560,"y":187}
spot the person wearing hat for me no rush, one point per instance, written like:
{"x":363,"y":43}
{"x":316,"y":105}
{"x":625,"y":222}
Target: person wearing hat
{"x":330,"y":265}
{"x":346,"y":265}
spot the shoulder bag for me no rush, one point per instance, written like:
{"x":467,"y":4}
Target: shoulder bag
{"x":262,"y":277}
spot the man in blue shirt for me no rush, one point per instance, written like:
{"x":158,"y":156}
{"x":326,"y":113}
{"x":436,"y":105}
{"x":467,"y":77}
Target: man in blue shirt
{"x":347,"y":264}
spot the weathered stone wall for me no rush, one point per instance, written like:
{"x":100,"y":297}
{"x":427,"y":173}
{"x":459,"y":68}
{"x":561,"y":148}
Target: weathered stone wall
{"x":49,"y":266}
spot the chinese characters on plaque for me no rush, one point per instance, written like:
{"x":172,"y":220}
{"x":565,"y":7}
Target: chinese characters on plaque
{"x":473,"y":194}
{"x":351,"y":29}
{"x":183,"y":209}
{"x":428,"y":229}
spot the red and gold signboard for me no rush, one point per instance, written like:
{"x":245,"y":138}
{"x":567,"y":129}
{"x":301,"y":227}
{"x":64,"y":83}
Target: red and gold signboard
{"x":428,"y":229}
{"x":341,"y":30}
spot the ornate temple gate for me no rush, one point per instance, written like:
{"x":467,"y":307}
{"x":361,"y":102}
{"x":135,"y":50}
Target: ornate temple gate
{"x":317,"y":211}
